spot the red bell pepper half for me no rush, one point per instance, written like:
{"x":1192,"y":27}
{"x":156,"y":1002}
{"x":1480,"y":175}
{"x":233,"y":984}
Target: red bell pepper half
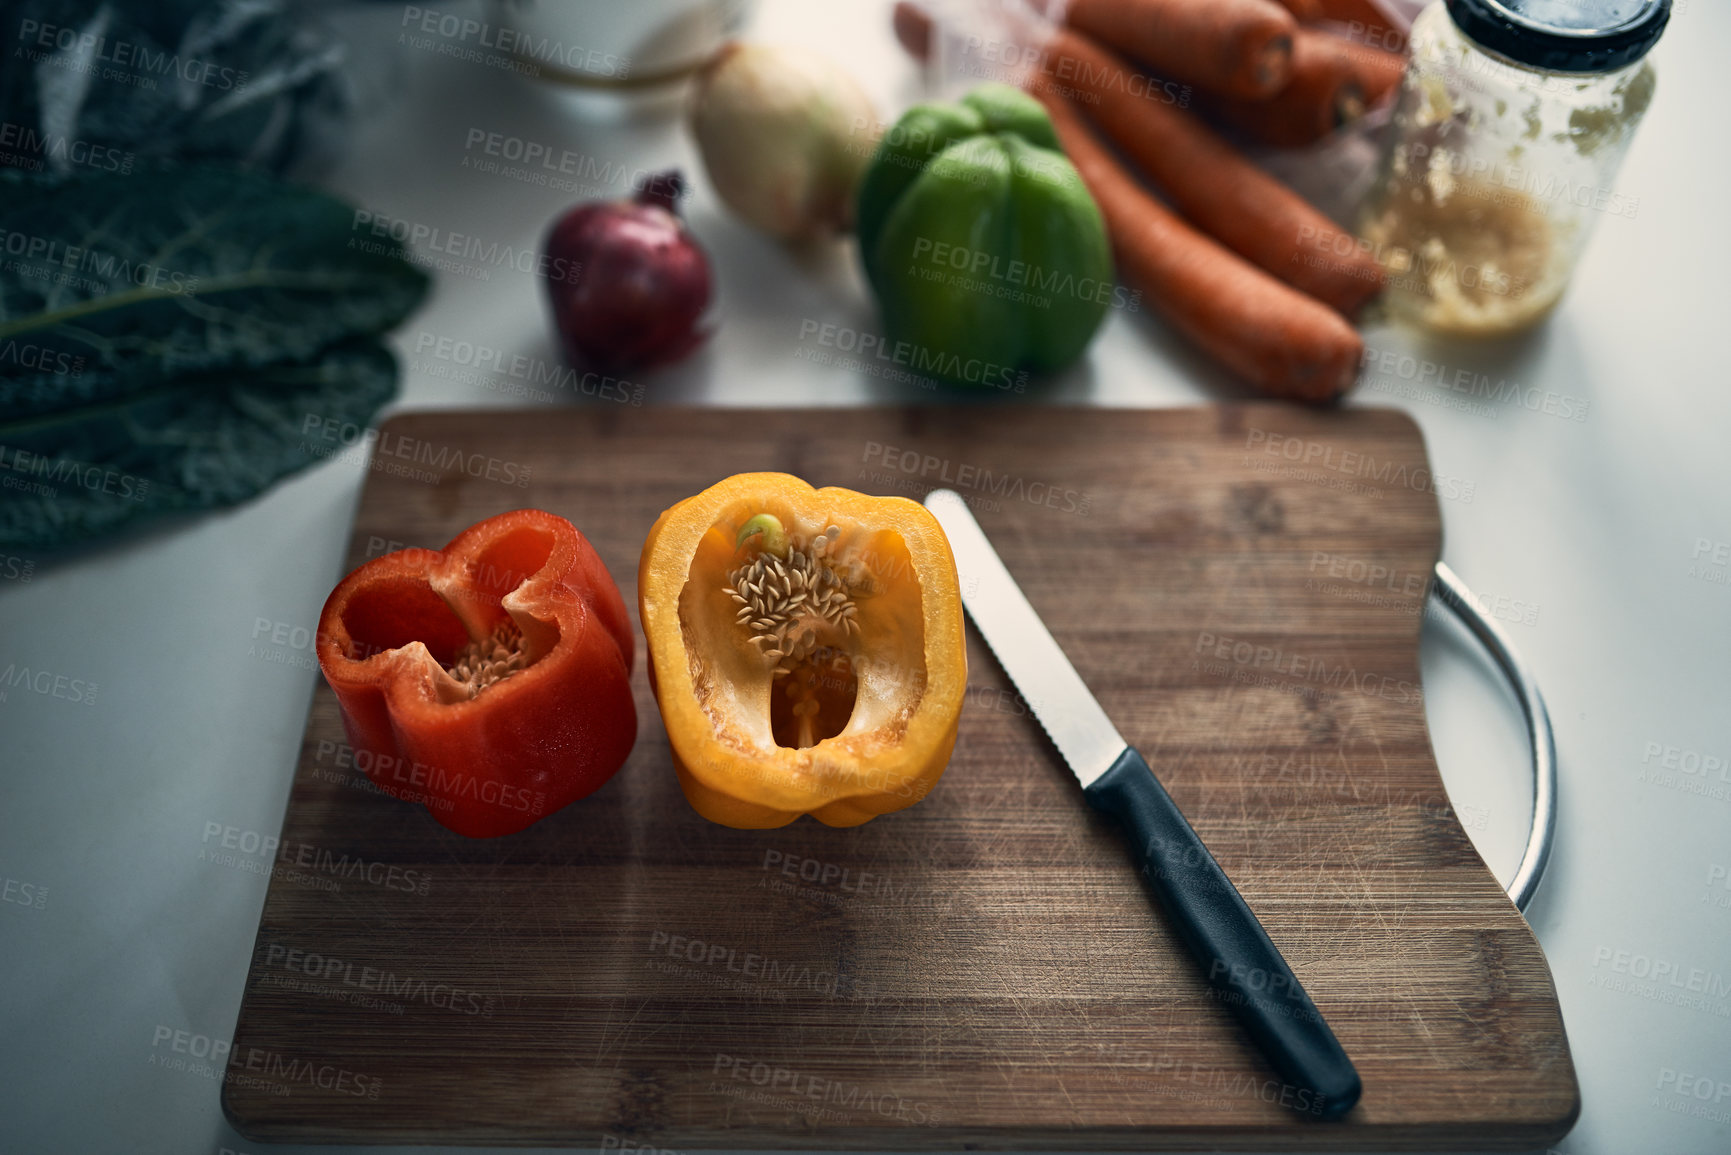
{"x":491,"y":679}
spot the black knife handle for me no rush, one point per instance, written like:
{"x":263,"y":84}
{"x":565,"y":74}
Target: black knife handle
{"x":1240,"y":962}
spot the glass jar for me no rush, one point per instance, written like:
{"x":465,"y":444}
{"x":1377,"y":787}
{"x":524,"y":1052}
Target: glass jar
{"x":1511,"y":122}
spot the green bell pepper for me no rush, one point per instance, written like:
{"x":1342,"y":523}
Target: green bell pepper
{"x":988,"y":257}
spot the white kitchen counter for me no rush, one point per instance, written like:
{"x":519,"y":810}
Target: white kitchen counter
{"x":1603,"y":540}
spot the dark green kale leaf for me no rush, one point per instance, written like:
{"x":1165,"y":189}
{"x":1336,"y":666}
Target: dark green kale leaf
{"x":109,"y":84}
{"x":111,"y":283}
{"x":199,"y":441}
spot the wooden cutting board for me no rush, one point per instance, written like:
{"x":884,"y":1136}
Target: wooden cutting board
{"x":1242,"y":588}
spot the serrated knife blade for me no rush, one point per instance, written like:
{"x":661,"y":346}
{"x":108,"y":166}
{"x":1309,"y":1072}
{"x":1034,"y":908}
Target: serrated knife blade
{"x":1060,"y":700}
{"x":1243,"y":967}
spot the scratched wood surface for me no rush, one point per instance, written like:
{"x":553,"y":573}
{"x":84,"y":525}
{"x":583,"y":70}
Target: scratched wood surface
{"x":1241,"y":586}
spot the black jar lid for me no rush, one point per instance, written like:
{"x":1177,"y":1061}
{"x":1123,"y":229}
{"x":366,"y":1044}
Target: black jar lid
{"x":1564,"y":35}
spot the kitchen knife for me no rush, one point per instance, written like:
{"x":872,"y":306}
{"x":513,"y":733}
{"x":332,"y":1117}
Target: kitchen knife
{"x":1240,"y":962}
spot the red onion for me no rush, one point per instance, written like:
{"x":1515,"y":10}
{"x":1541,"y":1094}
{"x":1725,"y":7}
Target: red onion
{"x":634,"y":281}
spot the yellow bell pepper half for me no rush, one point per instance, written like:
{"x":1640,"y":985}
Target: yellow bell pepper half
{"x":806,"y":650}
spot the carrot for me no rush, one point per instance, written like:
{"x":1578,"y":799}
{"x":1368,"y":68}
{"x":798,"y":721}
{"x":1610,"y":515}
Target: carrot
{"x":1278,"y":339}
{"x":1304,"y":11}
{"x":1237,"y":48}
{"x":913,"y":26}
{"x":1334,"y":82}
{"x":1379,"y":71}
{"x":1211,"y":183}
{"x":1360,"y":21}
{"x":1366,"y":22}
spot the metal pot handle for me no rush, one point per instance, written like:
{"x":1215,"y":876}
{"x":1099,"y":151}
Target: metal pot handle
{"x":1453,"y":593}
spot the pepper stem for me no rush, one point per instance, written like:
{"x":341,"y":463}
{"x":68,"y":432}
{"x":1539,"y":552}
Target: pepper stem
{"x":769,"y":526}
